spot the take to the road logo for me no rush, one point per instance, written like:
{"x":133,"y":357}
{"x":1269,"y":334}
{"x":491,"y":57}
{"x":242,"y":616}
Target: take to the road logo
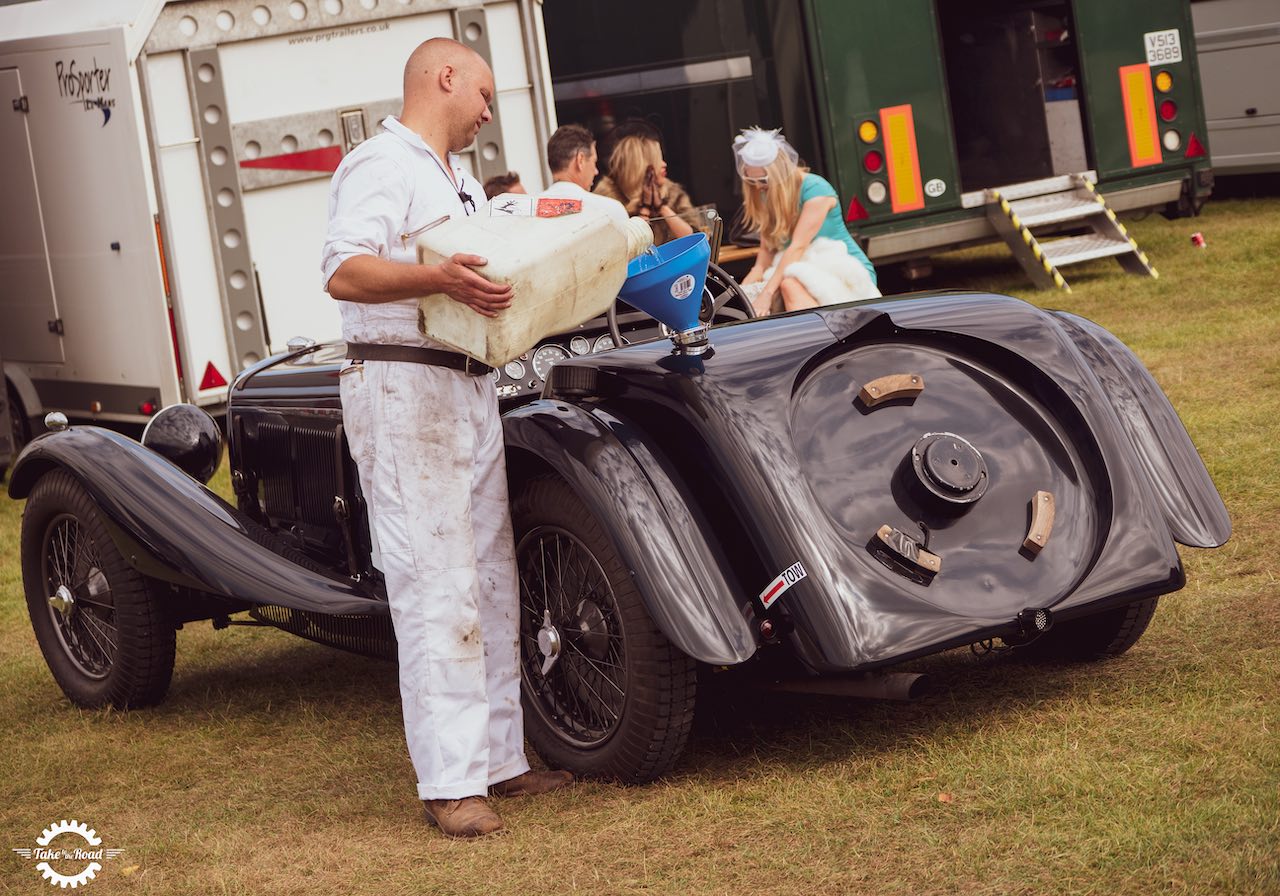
{"x":85,"y":87}
{"x":68,"y":854}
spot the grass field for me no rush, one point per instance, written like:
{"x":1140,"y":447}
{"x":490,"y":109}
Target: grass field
{"x":278,"y":766}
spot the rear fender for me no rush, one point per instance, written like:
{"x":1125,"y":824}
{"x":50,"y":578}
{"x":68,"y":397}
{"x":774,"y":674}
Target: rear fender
{"x":1192,"y":507}
{"x":170,"y":527}
{"x":681,"y":577}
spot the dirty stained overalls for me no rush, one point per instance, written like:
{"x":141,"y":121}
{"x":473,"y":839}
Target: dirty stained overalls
{"x":428,"y":444}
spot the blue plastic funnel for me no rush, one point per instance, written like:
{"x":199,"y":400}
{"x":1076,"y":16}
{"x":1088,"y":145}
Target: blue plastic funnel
{"x":666,"y":281}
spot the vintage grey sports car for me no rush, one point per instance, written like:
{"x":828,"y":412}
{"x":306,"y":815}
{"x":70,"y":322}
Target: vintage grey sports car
{"x":822,"y":493}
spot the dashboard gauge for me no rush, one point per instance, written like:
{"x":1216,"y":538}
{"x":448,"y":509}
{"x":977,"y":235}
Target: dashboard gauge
{"x":544,"y":357}
{"x":604,"y":343}
{"x":580,"y":345}
{"x":497,"y":374}
{"x":514,"y":369}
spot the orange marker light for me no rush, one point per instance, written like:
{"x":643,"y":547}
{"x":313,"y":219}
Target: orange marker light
{"x":868,"y":132}
{"x":1164,"y":82}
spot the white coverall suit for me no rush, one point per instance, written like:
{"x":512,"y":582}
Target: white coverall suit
{"x":428,"y":443}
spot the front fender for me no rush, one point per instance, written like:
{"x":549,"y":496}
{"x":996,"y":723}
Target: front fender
{"x":170,"y":527}
{"x":681,"y":576}
{"x":1192,"y":507}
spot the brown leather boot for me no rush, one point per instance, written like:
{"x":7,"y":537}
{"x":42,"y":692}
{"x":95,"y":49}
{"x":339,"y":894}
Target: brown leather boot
{"x":469,"y":817}
{"x":531,"y":782}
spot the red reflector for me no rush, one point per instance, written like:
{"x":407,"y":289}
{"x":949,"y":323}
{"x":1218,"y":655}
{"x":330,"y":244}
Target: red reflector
{"x":1195,"y":149}
{"x":326,"y":159}
{"x":1168,"y":110}
{"x":873,"y":161}
{"x":212,"y":378}
{"x":856,"y":211}
{"x":147,"y":408}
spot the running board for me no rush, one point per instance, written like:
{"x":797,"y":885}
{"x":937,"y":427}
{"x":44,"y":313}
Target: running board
{"x":1016,"y":210}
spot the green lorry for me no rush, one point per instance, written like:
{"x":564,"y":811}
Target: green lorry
{"x":942,"y":123}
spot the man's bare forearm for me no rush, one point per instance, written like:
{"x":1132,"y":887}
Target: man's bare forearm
{"x":372,"y":281}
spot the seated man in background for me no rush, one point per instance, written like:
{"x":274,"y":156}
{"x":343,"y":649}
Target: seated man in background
{"x":503,"y":183}
{"x":571,"y":153}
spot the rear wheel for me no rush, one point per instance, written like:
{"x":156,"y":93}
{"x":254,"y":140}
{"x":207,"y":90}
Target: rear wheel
{"x":99,"y":623}
{"x":1095,"y":637}
{"x":605,"y":693}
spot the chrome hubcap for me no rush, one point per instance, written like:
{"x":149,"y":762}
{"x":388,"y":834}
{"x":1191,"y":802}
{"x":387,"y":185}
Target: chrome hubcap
{"x":548,"y":643}
{"x":63,"y":601}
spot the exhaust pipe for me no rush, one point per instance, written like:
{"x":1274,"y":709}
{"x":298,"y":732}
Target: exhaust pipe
{"x":886,"y":686}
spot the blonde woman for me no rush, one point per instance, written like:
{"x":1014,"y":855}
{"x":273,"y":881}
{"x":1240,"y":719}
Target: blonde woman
{"x":807,"y":257}
{"x":638,"y":179}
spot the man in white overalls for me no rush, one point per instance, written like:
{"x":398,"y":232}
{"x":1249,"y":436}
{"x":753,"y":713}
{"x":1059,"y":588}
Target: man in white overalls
{"x":425,"y":432}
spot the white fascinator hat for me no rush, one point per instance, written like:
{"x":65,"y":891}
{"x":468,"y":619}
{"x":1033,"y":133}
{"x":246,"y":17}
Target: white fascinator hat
{"x":757,"y":148}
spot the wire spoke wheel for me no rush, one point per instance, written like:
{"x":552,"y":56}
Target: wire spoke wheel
{"x":100,"y":623}
{"x":79,"y":603}
{"x":562,"y":587}
{"x":605,"y":693}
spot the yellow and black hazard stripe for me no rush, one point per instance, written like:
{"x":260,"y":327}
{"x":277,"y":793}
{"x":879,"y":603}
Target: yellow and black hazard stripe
{"x":1032,"y":243}
{"x":1124,"y":232}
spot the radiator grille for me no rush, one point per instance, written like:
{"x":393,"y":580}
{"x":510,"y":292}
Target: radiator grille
{"x":298,"y":470}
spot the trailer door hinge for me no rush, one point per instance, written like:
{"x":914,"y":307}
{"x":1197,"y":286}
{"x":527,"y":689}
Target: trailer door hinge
{"x":55,"y":326}
{"x":21,"y":105}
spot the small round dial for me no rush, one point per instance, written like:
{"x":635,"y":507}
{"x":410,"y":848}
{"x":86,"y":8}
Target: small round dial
{"x":604,"y":343}
{"x":544,"y":357}
{"x":514,"y":369}
{"x":581,"y":345}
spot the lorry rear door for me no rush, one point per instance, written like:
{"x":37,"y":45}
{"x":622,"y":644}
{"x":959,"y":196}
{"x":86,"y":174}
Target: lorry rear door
{"x":881,"y":91}
{"x":1141,"y":86}
{"x":31,"y":331}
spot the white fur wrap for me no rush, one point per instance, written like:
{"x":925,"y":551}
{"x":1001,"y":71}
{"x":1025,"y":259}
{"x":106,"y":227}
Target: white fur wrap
{"x":828,"y":272}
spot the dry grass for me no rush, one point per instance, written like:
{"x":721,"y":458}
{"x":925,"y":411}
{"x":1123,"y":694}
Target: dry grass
{"x":277,"y":766}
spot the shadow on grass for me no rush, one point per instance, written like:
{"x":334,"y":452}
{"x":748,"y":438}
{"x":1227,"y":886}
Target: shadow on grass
{"x":739,"y":723}
{"x":753,"y":723}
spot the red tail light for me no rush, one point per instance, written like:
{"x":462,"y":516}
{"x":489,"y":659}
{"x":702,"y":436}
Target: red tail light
{"x":873,"y":161}
{"x":1168,"y":110}
{"x":1195,"y":149}
{"x":147,"y":408}
{"x":856,"y":211}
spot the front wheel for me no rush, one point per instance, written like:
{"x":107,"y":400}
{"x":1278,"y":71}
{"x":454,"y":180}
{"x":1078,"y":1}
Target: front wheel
{"x":605,"y":693}
{"x":99,"y":623}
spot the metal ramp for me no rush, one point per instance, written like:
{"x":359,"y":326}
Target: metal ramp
{"x":1056,"y":204}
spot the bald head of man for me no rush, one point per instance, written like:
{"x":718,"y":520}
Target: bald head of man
{"x":448,"y":89}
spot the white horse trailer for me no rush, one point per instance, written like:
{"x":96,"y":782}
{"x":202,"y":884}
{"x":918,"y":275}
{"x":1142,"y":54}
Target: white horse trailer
{"x":1238,"y":42}
{"x":167,"y":168}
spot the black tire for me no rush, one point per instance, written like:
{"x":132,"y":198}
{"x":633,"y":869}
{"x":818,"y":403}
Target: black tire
{"x":1102,"y":635}
{"x":20,"y":426}
{"x":618,"y":701}
{"x":111,"y":644}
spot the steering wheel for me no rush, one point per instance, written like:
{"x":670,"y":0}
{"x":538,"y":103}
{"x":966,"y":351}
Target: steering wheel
{"x":722,"y":300}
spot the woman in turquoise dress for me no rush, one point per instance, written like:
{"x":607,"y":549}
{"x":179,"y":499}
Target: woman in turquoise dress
{"x":807,"y":257}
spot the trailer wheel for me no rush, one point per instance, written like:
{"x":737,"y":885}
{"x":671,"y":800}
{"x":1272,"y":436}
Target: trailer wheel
{"x":20,"y":431}
{"x":1095,"y":637}
{"x":99,"y":623}
{"x":605,"y":693}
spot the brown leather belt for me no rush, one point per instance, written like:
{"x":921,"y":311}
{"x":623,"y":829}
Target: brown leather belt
{"x":412,"y":354}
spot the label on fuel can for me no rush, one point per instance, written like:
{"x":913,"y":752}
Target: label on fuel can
{"x":788,"y":577}
{"x":1163,"y":47}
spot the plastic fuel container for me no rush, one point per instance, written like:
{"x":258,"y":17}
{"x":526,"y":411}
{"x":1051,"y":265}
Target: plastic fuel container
{"x":563,"y":270}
